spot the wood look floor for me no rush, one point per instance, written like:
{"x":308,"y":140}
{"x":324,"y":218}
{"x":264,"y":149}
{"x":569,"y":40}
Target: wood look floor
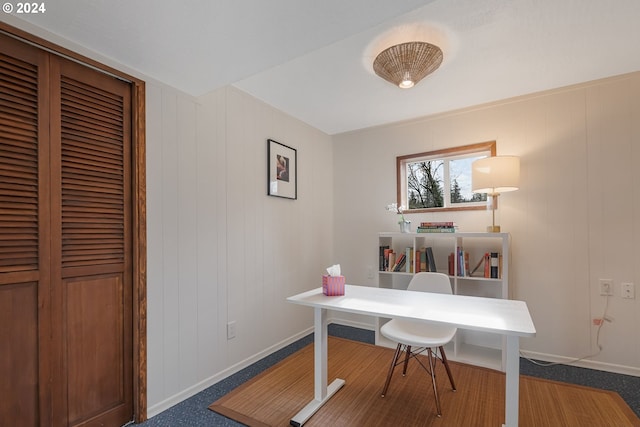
{"x":274,"y":396}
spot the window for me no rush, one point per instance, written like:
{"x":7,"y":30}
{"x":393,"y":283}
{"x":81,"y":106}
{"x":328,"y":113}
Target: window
{"x":423,"y":178}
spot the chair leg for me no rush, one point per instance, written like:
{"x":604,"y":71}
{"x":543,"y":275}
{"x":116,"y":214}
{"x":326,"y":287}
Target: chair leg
{"x":407,"y":355}
{"x":445,"y":362}
{"x":393,"y":365}
{"x":432,"y":368}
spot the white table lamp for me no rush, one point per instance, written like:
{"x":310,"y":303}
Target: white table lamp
{"x":493,"y":176}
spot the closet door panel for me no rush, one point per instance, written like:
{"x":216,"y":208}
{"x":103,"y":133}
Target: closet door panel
{"x":24,"y":243}
{"x":19,"y":355}
{"x":92,"y":277}
{"x":19,"y":166}
{"x":94,"y":340}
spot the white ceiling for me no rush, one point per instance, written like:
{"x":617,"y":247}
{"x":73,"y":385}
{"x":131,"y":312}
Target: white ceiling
{"x":312,"y":58}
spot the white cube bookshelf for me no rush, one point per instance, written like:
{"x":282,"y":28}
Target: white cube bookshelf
{"x":481,"y":349}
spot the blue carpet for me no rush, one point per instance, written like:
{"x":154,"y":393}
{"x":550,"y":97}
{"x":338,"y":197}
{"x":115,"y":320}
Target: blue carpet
{"x":627,"y":386}
{"x":194,"y":411}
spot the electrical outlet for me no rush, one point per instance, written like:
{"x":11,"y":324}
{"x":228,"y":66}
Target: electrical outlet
{"x":606,"y":287}
{"x":231,"y":330}
{"x":628,"y":290}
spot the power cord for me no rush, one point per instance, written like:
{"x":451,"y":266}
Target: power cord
{"x":604,"y":318}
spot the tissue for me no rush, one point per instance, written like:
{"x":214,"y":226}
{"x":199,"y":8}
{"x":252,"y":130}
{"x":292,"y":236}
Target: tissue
{"x":333,"y":283}
{"x":334,"y":270}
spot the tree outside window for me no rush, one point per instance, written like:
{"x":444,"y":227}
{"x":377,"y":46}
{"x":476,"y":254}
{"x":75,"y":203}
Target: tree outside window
{"x":423,"y":178}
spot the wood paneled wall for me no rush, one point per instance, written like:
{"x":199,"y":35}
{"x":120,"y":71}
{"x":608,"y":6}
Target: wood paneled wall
{"x":575,"y":219}
{"x":220,"y":249}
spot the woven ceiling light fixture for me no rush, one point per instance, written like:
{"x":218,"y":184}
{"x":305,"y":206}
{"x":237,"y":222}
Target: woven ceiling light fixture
{"x":406,"y":64}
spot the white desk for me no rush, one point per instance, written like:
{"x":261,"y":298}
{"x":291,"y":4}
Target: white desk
{"x":507,"y":317}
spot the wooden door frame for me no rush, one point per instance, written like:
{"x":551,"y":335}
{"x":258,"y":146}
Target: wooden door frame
{"x":139,"y":213}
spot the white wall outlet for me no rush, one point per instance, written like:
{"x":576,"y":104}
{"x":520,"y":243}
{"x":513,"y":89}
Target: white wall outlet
{"x":231,"y":330}
{"x":628,"y":290}
{"x":606,"y":287}
{"x":369,"y":272}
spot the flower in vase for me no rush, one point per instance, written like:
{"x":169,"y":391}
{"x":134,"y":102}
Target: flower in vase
{"x":393,"y":207}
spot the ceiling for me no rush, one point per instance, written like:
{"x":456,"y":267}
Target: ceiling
{"x":312,"y":59}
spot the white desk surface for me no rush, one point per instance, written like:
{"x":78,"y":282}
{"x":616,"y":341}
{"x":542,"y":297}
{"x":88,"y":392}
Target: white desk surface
{"x":507,"y":317}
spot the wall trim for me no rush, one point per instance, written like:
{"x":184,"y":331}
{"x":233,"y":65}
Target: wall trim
{"x":208,"y":382}
{"x":212,"y":380}
{"x":589,"y":364}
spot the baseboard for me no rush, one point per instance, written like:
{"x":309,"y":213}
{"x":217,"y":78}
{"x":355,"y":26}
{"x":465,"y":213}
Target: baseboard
{"x":584,"y":363}
{"x":204,"y":384}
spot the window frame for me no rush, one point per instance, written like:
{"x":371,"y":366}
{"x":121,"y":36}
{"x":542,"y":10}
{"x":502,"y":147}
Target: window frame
{"x":442,"y":154}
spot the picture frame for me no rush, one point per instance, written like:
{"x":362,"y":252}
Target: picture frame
{"x":282,"y":170}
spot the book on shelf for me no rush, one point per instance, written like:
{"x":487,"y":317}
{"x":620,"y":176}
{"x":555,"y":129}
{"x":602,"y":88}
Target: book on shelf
{"x":400,"y":262}
{"x":488,"y":266}
{"x":383,"y":258}
{"x":431,"y":261}
{"x":392,"y":261}
{"x":495,"y":263}
{"x":464,"y":263}
{"x":459,"y":263}
{"x":436,"y":227}
{"x":424,"y":260}
{"x":443,"y":224}
{"x":408,"y":252}
{"x":452,"y":264}
{"x":436,"y":230}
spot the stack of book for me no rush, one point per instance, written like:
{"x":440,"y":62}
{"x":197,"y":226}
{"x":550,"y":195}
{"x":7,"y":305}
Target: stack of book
{"x":425,"y":260}
{"x":407,"y":261}
{"x":398,"y":262}
{"x":491,"y":264}
{"x":437,"y":227}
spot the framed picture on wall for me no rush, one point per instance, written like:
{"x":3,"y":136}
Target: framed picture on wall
{"x":282,"y":170}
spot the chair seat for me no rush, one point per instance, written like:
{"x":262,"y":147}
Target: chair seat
{"x":417,"y":334}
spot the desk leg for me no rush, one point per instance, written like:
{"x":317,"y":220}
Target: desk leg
{"x":512,"y":398}
{"x":322,"y":392}
{"x":320,"y":363}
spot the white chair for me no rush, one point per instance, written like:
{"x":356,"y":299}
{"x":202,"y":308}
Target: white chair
{"x":415,"y":337}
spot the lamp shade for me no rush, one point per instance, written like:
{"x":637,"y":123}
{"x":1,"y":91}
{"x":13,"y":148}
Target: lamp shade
{"x":495,"y":175}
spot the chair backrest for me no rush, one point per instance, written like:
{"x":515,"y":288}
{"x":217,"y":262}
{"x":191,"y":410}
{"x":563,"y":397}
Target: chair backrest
{"x":430,"y":282}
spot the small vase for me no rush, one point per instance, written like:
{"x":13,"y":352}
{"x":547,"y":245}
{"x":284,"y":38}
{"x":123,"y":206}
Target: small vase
{"x":405,"y":226}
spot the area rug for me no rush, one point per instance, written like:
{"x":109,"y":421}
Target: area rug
{"x":273,"y":397}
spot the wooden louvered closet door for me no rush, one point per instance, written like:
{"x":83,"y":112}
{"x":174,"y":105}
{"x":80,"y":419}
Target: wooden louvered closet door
{"x":65,"y":242}
{"x":24,"y":245}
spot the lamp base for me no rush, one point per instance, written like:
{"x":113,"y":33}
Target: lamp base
{"x":493,"y":229}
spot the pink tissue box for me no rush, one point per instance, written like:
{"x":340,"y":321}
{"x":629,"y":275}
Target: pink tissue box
{"x":332,"y":285}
